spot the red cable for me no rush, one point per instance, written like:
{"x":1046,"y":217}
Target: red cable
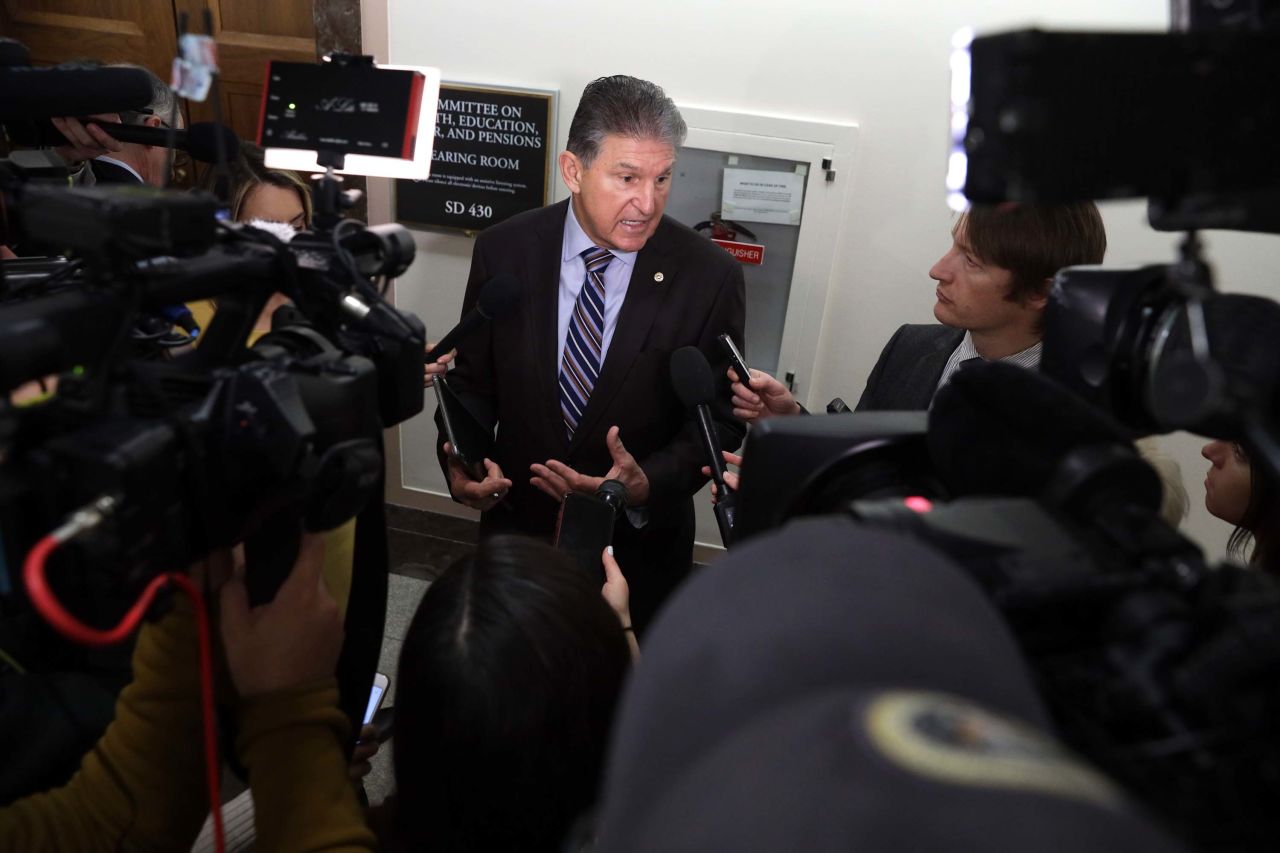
{"x":43,"y":599}
{"x":211,"y":762}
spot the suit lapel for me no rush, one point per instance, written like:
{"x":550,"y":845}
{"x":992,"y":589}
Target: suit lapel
{"x":645,"y":296}
{"x":928,"y":369}
{"x":545,"y":317}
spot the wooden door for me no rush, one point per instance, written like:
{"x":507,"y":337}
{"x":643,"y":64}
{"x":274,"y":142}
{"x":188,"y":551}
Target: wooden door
{"x":249,"y":33}
{"x":141,"y":32}
{"x":144,"y":32}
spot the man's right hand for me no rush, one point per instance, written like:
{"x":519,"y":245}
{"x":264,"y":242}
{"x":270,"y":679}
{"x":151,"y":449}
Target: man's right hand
{"x":477,"y":494}
{"x":765,"y":398}
{"x":86,"y":141}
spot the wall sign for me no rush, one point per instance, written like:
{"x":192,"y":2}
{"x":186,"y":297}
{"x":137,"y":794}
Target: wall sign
{"x":492,"y":159}
{"x":751,"y":195}
{"x":746,"y":253}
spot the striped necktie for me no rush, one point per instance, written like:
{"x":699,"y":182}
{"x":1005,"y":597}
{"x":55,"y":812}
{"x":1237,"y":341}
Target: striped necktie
{"x":584,"y":344}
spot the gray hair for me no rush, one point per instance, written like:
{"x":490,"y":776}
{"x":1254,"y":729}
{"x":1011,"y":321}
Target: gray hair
{"x":163,"y":101}
{"x":623,"y":106}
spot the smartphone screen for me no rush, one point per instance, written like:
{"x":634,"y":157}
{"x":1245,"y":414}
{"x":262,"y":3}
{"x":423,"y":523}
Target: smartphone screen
{"x":375,"y":696}
{"x":584,"y":529}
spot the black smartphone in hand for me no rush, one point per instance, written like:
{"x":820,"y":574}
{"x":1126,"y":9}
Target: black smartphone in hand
{"x":584,"y":529}
{"x":736,"y":361}
{"x":471,"y":442}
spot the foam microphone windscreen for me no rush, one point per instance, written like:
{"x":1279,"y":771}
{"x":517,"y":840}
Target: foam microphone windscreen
{"x":498,"y":295}
{"x":820,"y":604}
{"x":202,"y":142}
{"x":691,"y":377}
{"x":38,"y":93}
{"x":997,"y":429}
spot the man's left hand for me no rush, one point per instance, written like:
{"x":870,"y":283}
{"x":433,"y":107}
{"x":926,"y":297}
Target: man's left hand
{"x":558,"y":479}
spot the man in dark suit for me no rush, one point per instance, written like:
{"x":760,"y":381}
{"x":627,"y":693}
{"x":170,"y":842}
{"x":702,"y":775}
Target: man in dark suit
{"x":993,"y":285}
{"x":576,"y":379}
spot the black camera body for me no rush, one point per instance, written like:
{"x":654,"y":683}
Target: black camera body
{"x":1157,"y":666}
{"x":198,"y":449}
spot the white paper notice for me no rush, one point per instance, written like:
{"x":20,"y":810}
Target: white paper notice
{"x":755,"y":196}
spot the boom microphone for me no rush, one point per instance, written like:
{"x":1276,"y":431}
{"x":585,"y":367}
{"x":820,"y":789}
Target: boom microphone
{"x":695,"y":387}
{"x":201,"y":140}
{"x":37,"y":93}
{"x":498,"y":296}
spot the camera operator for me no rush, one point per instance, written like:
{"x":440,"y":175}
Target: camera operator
{"x":993,"y":285}
{"x":142,"y":786}
{"x":98,"y":158}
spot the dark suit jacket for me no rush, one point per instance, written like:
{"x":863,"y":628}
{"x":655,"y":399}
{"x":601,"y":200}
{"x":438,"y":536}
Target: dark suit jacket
{"x":910,"y":365}
{"x":506,"y":374}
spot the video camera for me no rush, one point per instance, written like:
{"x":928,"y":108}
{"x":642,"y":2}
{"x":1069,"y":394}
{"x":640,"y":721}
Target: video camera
{"x":145,"y":464}
{"x":1158,"y":667}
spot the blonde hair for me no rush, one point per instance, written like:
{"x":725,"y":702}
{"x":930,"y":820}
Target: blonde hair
{"x":1174,"y":502}
{"x":248,"y":172}
{"x":275,"y":178}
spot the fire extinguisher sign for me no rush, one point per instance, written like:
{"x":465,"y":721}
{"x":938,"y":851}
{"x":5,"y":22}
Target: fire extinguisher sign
{"x":746,"y":253}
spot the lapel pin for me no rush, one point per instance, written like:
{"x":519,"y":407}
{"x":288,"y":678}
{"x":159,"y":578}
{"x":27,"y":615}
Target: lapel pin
{"x":658,"y":277}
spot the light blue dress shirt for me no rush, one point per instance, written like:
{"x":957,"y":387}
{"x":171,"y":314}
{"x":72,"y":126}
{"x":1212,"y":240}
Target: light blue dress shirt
{"x":573,"y":275}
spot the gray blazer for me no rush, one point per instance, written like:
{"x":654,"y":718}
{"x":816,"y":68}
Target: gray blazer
{"x":910,"y":365}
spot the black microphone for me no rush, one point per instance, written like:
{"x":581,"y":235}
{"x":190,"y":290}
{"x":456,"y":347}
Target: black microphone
{"x":201,"y":140}
{"x":37,"y":93}
{"x":695,"y":387}
{"x":499,"y":295}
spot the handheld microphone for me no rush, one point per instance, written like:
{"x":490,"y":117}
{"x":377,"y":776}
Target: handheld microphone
{"x":38,"y":93}
{"x":695,"y":387}
{"x":499,"y":295}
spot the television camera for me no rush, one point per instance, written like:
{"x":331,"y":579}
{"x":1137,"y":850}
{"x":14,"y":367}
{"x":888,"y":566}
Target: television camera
{"x":149,"y":454}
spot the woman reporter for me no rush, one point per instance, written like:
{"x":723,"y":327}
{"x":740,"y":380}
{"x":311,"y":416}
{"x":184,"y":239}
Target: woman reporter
{"x":505,"y":693}
{"x":1239,"y":491}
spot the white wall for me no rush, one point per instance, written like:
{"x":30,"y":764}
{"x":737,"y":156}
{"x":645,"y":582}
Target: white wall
{"x":880,"y":65}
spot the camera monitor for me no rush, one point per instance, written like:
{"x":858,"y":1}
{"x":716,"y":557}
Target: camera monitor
{"x":1065,"y":116}
{"x":346,"y":112}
